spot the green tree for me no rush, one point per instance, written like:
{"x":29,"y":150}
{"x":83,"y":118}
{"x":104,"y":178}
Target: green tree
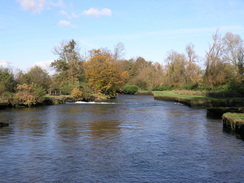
{"x":7,"y":82}
{"x":193,"y":71}
{"x":36,"y":75}
{"x":69,"y":61}
{"x":69,"y":67}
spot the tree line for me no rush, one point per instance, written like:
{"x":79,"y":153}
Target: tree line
{"x":105,"y":72}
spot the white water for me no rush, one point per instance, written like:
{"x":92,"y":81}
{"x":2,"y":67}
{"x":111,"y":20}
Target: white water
{"x":82,"y":102}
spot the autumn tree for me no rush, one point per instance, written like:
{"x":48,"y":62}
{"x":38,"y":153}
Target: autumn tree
{"x":193,"y":71}
{"x":145,"y":74}
{"x":148,"y":76}
{"x":176,"y":70}
{"x":217,"y":72}
{"x":140,"y":63}
{"x":138,"y":69}
{"x":103,"y":72}
{"x":233,"y":50}
{"x":128,"y":66}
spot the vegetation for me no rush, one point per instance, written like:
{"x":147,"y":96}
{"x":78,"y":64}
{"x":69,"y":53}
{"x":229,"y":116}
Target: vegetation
{"x":103,"y":72}
{"x":233,"y":123}
{"x":77,"y":94}
{"x":7,"y":83}
{"x":192,"y":96}
{"x":129,"y":89}
{"x":236,"y":116}
{"x":28,"y":95}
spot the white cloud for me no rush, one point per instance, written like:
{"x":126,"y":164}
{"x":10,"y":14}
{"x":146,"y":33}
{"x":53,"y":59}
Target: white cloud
{"x":71,"y":15}
{"x":62,"y":12}
{"x":96,"y":13}
{"x":59,"y":3}
{"x":64,"y":23}
{"x":5,"y":64}
{"x":46,"y":66}
{"x":36,"y":6}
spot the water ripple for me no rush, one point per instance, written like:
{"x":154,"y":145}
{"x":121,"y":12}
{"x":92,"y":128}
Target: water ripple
{"x":131,"y":139}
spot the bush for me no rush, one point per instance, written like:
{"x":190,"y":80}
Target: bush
{"x":238,"y":87}
{"x":190,"y":87}
{"x":87,"y":92}
{"x":28,"y":95}
{"x":130,"y":89}
{"x":141,"y":84}
{"x":204,"y":87}
{"x":77,"y":94}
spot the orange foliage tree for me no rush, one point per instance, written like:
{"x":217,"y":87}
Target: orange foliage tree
{"x":103,"y":72}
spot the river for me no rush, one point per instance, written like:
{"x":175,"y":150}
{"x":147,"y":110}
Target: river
{"x":130,"y":139}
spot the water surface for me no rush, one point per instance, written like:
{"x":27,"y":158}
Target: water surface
{"x":131,"y":139}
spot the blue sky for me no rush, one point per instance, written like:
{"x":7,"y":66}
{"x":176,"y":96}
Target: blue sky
{"x":30,"y":29}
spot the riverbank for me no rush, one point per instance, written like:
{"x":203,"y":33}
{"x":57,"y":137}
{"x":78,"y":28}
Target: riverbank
{"x":234,"y":123}
{"x":4,"y":103}
{"x":199,"y":100}
{"x":47,"y":100}
{"x":217,"y":112}
{"x":54,"y":100}
{"x":218,"y":104}
{"x":144,"y":93}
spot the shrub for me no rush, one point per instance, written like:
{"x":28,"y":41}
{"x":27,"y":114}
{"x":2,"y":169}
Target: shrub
{"x":130,"y":89}
{"x":77,"y":94}
{"x":28,"y":95}
{"x":204,"y":87}
{"x":238,"y":87}
{"x":87,"y":92}
{"x":190,"y":87}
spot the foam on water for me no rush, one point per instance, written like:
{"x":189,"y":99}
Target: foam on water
{"x":82,"y":102}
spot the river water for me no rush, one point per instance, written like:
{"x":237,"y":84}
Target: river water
{"x":131,"y":139}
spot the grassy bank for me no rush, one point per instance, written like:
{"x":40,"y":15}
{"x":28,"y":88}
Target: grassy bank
{"x":235,"y":116}
{"x":199,"y":99}
{"x":178,"y":95}
{"x":234,"y":123}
